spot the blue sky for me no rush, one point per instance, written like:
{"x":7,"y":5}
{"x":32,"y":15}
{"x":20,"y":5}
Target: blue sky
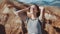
{"x":28,"y":1}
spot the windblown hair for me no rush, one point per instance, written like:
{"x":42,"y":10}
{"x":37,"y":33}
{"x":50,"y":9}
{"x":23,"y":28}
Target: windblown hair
{"x":38,"y":13}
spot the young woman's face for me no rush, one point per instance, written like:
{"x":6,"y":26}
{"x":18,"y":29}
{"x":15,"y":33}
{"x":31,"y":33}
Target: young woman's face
{"x":33,"y":10}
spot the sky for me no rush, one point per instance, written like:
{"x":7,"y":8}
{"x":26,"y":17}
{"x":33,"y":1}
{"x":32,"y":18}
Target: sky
{"x":28,"y":1}
{"x":48,"y":0}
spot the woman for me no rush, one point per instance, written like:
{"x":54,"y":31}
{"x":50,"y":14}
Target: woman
{"x":34,"y":16}
{"x":33,"y":22}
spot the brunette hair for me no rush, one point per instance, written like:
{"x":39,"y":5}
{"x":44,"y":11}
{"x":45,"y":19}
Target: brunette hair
{"x":38,"y":13}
